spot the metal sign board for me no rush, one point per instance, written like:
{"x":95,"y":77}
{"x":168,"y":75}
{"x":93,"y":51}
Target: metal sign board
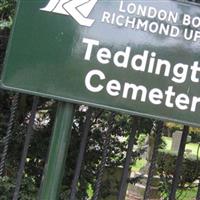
{"x":139,"y":57}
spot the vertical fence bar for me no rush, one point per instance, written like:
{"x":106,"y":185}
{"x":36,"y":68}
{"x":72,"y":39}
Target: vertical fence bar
{"x":198,"y":189}
{"x":54,"y":168}
{"x":179,"y":160}
{"x":157,"y":128}
{"x":107,"y":136}
{"x":81,"y":155}
{"x":198,"y":192}
{"x":25,"y":149}
{"x":124,"y":178}
{"x":9,"y":132}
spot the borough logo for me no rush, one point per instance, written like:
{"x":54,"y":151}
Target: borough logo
{"x":78,"y":9}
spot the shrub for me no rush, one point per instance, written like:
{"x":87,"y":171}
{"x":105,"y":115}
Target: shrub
{"x":190,"y":171}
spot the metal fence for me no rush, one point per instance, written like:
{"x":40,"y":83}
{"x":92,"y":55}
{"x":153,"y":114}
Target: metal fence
{"x":80,"y":160}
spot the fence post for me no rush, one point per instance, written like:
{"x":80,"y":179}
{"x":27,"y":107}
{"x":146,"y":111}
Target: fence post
{"x":54,"y":168}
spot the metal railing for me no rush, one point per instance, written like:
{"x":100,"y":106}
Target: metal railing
{"x":56,"y":178}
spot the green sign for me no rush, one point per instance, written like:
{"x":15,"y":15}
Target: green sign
{"x":139,"y":57}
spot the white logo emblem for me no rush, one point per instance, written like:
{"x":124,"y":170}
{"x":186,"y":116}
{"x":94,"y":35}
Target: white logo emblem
{"x":78,"y":9}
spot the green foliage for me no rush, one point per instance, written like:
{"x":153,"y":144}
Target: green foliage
{"x":6,"y":187}
{"x":7,"y":9}
{"x":195,"y":137}
{"x":172,"y":126}
{"x":189,"y":173}
{"x":141,"y":139}
{"x":138,"y":165}
{"x":191,"y":148}
{"x":121,"y":128}
{"x":39,"y":148}
{"x":28,"y":188}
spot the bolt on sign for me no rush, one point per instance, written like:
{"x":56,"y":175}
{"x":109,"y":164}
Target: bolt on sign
{"x":139,"y":57}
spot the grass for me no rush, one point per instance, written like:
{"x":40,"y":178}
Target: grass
{"x":185,"y":194}
{"x":188,"y":194}
{"x":193,"y":147}
{"x":138,"y":165}
{"x":168,"y":142}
